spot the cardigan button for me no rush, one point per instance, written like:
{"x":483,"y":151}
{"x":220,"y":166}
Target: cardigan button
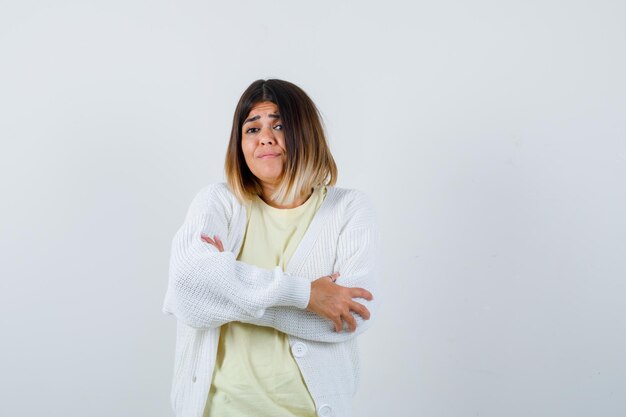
{"x":325,"y":411}
{"x":193,"y":379}
{"x":299,"y":349}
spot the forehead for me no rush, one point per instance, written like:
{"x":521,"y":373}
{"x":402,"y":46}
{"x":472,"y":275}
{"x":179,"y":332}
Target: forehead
{"x":263,"y":109}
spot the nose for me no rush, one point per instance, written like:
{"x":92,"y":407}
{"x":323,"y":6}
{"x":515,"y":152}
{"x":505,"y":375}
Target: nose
{"x":267,"y":137}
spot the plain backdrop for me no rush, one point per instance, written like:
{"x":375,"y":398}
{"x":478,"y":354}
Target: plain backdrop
{"x":491,"y":136}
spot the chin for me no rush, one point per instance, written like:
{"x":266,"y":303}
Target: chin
{"x":269,"y":176}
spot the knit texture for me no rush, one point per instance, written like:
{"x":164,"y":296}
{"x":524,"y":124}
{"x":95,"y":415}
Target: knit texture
{"x":208,"y":288}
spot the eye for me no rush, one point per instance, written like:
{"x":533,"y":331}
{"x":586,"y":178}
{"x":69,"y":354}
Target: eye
{"x":252,"y":130}
{"x":278,"y":127}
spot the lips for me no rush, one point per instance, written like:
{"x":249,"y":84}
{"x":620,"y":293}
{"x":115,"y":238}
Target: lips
{"x":269,"y":155}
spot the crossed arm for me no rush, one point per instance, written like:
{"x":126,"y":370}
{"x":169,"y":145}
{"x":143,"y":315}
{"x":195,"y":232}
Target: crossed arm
{"x":327,"y":300}
{"x":210,"y":287}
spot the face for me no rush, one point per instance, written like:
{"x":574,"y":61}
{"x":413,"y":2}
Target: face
{"x":263,"y":143}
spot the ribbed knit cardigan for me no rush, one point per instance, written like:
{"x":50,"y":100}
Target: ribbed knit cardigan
{"x":208,"y":288}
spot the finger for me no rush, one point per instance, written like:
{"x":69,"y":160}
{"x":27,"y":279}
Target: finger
{"x":219,"y":243}
{"x":360,"y":309}
{"x":361,"y":293}
{"x":338,"y":324}
{"x":332,"y":277}
{"x":349,"y":318}
{"x":213,"y":243}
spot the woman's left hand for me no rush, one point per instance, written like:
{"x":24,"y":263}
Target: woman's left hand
{"x":215,"y":242}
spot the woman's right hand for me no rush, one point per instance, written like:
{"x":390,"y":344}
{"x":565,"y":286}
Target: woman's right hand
{"x":336,"y":303}
{"x":214,"y":242}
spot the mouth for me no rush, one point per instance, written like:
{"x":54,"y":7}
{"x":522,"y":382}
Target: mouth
{"x":269,"y":155}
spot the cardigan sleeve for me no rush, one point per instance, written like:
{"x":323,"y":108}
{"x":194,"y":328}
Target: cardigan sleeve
{"x":208,"y":288}
{"x":357,"y":260}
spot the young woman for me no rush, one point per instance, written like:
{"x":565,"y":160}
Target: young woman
{"x":271,"y":273}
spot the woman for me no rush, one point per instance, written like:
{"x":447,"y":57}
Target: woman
{"x":271,"y":273}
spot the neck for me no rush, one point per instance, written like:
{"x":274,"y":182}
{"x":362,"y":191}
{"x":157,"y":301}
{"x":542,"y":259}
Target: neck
{"x":268,"y":191}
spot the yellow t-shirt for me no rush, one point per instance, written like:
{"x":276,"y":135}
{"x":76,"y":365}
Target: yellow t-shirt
{"x":255,"y":372}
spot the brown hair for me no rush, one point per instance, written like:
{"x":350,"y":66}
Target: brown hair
{"x":309,"y":162}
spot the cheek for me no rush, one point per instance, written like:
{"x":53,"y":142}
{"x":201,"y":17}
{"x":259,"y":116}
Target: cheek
{"x":248,"y":151}
{"x":281,"y":141}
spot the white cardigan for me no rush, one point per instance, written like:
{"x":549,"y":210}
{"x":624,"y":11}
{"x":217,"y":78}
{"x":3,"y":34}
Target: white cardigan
{"x":208,"y":288}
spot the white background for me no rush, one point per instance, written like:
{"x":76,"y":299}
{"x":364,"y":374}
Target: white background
{"x":491,"y":136}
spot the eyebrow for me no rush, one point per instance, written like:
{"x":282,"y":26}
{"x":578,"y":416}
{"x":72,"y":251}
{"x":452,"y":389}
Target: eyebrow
{"x":257,"y":117}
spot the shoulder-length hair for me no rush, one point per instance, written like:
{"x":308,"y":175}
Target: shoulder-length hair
{"x":309,"y":162}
